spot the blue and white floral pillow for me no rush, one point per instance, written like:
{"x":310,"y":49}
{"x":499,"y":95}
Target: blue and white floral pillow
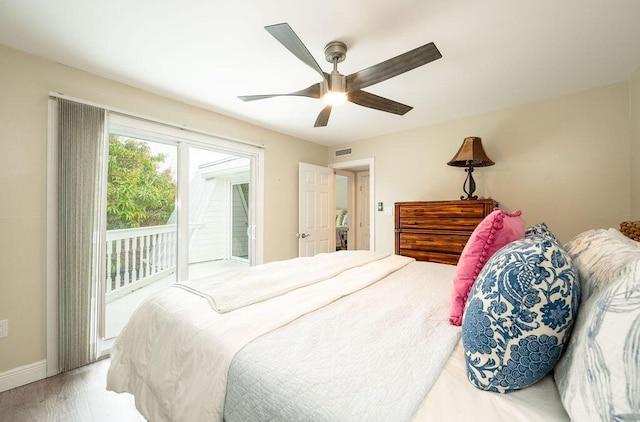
{"x":598,"y":377}
{"x":540,"y":229}
{"x":519,"y":314}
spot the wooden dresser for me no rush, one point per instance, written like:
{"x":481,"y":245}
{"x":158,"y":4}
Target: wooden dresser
{"x":437,"y":231}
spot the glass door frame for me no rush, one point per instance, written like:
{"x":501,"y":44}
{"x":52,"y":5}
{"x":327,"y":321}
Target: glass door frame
{"x":184,"y":139}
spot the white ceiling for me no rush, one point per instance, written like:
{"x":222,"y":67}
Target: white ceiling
{"x":496,"y":53}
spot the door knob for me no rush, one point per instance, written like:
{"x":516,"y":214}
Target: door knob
{"x":302,"y":236}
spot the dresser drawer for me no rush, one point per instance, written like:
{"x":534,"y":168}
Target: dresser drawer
{"x":433,"y":242}
{"x":452,"y":215}
{"x":444,"y":223}
{"x":441,"y":210}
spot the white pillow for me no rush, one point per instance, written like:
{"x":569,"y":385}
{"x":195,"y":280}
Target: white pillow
{"x":619,"y":235}
{"x":598,"y":376}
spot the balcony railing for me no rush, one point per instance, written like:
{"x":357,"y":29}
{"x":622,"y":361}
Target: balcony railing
{"x":137,"y":257}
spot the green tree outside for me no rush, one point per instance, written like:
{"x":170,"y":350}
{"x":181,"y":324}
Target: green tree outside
{"x":139,"y":194}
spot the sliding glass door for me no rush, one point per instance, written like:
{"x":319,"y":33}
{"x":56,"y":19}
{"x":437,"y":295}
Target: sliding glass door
{"x":177,"y":208}
{"x":219,"y":216}
{"x":141,"y":233}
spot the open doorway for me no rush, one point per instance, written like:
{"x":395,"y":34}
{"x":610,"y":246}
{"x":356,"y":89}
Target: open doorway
{"x":354,"y":186}
{"x":344,"y":209}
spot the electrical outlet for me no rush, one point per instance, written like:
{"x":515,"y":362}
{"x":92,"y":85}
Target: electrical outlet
{"x":4,"y":328}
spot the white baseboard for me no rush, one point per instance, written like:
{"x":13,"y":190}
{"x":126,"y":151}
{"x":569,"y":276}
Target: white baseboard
{"x":23,"y":375}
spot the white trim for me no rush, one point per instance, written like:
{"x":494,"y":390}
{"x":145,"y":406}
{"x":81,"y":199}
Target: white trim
{"x":154,"y":120}
{"x":256,"y":196}
{"x":363,"y":162}
{"x":23,"y":375}
{"x":137,"y":126}
{"x":363,"y":178}
{"x":182,"y":206}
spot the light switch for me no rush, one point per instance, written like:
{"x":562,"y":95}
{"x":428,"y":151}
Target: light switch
{"x":380,"y":206}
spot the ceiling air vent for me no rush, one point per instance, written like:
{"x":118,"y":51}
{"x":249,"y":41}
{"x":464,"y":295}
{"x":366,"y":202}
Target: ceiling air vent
{"x":343,"y":152}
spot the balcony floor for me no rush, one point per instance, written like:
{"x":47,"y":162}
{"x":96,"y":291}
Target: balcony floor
{"x":118,"y":312}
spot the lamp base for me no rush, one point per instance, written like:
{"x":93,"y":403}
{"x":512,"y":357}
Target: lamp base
{"x":472,"y":184}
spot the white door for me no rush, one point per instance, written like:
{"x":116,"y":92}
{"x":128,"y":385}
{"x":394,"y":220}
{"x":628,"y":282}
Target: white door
{"x":364,"y":222}
{"x":316,"y":210}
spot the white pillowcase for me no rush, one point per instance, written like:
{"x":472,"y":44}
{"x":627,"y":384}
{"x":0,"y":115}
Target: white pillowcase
{"x":599,"y":374}
{"x":618,"y":235}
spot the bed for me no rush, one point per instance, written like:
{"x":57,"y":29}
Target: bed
{"x":358,"y":335}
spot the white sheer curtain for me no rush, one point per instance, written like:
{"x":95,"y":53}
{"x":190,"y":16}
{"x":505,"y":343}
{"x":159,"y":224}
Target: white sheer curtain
{"x":81,"y":158}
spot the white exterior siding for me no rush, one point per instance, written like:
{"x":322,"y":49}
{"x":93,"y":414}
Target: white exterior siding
{"x":210,"y":211}
{"x":209,"y":240}
{"x":240,"y":224}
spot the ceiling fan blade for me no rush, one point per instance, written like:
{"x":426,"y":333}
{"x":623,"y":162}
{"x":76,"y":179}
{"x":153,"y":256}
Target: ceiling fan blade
{"x":393,"y":67}
{"x":323,"y":117}
{"x":283,"y":33}
{"x":312,"y":92}
{"x":366,"y":99}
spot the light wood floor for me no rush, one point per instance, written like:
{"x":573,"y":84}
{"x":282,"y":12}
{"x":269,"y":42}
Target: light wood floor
{"x":75,"y":396}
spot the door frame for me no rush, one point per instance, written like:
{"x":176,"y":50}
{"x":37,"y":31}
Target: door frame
{"x":360,"y":200}
{"x":351,"y":204}
{"x":364,"y":164}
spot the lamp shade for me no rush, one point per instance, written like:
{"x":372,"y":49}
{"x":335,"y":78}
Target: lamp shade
{"x":471,"y":154}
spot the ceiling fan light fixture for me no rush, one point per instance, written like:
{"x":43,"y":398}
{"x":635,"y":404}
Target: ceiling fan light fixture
{"x":334,"y":98}
{"x":337,"y":92}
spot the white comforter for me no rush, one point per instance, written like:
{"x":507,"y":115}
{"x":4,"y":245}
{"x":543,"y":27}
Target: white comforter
{"x":175,"y":352}
{"x":236,"y":290}
{"x":371,"y":356}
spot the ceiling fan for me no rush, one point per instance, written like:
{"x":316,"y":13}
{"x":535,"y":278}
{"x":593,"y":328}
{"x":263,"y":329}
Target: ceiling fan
{"x":336,"y":88}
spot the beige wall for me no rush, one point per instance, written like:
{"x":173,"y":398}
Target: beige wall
{"x":634,"y":116}
{"x":25,"y":82}
{"x":563,"y":161}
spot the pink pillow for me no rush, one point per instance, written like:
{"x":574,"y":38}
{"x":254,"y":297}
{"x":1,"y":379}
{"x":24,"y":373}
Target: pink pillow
{"x":496,"y":230}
